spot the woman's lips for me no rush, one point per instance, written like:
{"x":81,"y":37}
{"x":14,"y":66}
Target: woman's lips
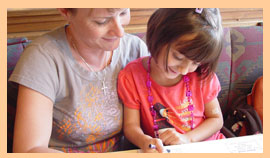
{"x":110,"y":39}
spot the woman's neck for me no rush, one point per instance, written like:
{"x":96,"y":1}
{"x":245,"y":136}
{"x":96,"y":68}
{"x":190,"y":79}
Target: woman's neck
{"x":97,"y":59}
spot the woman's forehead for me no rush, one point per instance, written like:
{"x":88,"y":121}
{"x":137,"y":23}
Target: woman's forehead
{"x":103,"y":12}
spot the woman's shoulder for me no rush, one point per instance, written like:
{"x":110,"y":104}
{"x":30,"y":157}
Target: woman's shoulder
{"x":51,"y":38}
{"x":48,"y":43}
{"x":132,"y":39}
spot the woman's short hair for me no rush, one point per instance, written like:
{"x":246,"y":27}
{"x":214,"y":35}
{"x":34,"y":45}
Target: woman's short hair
{"x":166,"y":26}
{"x":72,"y":10}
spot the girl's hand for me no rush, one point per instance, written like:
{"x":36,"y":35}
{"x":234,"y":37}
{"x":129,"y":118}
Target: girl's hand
{"x":170,"y":136}
{"x":154,"y":141}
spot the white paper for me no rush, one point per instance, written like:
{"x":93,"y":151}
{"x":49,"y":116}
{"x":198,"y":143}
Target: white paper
{"x":244,"y":144}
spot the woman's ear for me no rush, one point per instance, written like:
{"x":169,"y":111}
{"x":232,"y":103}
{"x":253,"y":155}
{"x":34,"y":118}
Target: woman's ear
{"x":65,"y":13}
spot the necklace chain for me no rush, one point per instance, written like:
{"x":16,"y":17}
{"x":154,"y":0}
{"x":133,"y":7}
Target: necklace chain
{"x":104,"y":87}
{"x":150,"y":99}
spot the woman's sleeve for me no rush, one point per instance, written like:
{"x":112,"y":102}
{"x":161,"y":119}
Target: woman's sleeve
{"x":127,"y":90}
{"x":211,"y":88}
{"x":36,"y":70}
{"x":143,"y":49}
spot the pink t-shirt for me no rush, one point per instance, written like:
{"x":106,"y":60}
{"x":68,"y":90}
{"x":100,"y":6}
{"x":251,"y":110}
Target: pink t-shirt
{"x":170,"y":103}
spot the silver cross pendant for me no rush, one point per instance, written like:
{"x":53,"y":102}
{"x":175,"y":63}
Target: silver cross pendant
{"x":104,"y":87}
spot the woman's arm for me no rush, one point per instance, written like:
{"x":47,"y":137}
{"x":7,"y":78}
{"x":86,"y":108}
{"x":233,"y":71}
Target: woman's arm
{"x":134,"y":133}
{"x":212,"y":123}
{"x":33,"y":122}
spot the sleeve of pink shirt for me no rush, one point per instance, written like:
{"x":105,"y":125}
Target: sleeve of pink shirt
{"x":210,"y":89}
{"x":127,"y":90}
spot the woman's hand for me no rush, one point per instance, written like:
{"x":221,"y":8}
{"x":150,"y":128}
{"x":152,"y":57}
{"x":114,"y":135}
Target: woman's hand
{"x":170,"y":136}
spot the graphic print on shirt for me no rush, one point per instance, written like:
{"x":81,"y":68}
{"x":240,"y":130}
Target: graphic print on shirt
{"x":167,"y":118}
{"x":95,"y":117}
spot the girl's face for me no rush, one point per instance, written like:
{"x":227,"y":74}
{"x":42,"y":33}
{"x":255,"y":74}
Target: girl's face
{"x":178,"y":64}
{"x":99,"y":28}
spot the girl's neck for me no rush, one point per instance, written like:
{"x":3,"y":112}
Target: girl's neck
{"x":157,"y":76}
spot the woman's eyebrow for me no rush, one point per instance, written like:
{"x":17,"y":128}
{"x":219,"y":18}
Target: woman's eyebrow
{"x":111,"y":11}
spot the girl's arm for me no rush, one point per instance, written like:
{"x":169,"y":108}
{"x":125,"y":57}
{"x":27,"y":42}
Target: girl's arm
{"x":212,"y":123}
{"x":33,"y":122}
{"x":134,"y":133}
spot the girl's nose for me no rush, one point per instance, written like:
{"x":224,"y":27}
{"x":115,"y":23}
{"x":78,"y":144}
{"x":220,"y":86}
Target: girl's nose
{"x":185,"y":67}
{"x":183,"y":70}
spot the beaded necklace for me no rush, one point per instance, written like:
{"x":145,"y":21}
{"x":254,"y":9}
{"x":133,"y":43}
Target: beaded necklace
{"x":150,"y":99}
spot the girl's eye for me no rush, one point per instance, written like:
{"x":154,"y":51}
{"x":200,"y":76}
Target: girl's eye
{"x":196,"y":63}
{"x":177,"y":57}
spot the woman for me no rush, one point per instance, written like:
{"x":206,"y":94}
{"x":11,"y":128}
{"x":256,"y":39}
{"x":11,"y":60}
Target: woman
{"x":67,"y":99}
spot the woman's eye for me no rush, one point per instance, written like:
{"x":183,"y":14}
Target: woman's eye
{"x":101,"y":22}
{"x":123,"y":13}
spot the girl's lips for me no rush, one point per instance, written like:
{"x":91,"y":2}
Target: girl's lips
{"x":172,"y":70}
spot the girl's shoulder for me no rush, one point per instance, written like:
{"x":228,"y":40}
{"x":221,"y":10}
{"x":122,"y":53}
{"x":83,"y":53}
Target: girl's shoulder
{"x":134,"y":68}
{"x":195,"y":76}
{"x":135,"y":64}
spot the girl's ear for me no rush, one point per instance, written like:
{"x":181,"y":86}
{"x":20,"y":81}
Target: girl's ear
{"x":65,"y":13}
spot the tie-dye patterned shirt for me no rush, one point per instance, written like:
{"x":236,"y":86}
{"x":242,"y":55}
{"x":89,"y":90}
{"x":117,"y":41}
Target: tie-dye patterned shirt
{"x":170,"y":103}
{"x":87,"y":117}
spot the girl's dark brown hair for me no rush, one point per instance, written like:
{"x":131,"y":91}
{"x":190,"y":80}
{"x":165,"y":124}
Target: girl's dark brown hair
{"x":166,"y":27}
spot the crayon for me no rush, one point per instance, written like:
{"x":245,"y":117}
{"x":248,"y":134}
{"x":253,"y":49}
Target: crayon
{"x":152,"y":146}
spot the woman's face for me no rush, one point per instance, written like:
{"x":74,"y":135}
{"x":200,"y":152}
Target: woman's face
{"x":99,"y":28}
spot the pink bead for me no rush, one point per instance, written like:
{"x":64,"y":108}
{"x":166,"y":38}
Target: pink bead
{"x":188,"y":93}
{"x":155,"y":127}
{"x":148,"y":84}
{"x":153,"y":113}
{"x":186,"y":79}
{"x":150,"y":99}
{"x":190,"y":107}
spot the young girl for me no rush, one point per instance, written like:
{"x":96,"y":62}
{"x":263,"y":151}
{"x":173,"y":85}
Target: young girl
{"x":171,"y":97}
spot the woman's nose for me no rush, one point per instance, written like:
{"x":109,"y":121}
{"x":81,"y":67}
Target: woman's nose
{"x":117,"y":28}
